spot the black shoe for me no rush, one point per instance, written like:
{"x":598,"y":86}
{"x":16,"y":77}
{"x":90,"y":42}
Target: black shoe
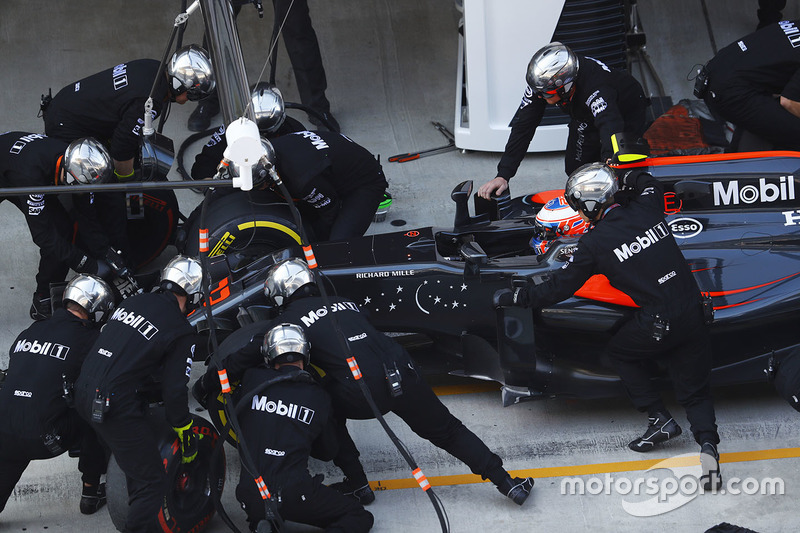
{"x":93,"y":498}
{"x":661,"y":428}
{"x":329,"y":122}
{"x":200,"y":119}
{"x":40,"y":308}
{"x":709,"y":462}
{"x":362,"y":493}
{"x":517,"y":489}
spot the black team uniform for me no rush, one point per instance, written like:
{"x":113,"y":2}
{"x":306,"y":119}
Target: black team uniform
{"x":148,"y":335}
{"x":284,"y":424}
{"x":605,"y":102}
{"x":36,"y":422}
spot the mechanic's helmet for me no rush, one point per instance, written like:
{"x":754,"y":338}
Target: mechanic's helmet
{"x":265,"y":163}
{"x":555,"y":219}
{"x":184,"y":275}
{"x":286,"y":343}
{"x":86,"y":162}
{"x":591,"y":188}
{"x":92,"y":293}
{"x":190,"y":71}
{"x":552,"y":71}
{"x":268,"y":107}
{"x":285,"y":278}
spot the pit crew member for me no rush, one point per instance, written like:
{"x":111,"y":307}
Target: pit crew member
{"x":599,"y":101}
{"x":755,"y":84}
{"x":33,"y":160}
{"x":37,"y":420}
{"x":285,"y":440}
{"x":632,"y":246}
{"x":147,"y":335}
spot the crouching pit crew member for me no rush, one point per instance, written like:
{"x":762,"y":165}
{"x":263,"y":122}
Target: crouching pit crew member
{"x":37,"y":420}
{"x":290,"y":285}
{"x":670,"y":322}
{"x":283,"y":440}
{"x":148,"y":335}
{"x":34,"y":160}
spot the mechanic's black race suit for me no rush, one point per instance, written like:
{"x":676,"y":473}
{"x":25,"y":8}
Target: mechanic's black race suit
{"x":633,"y":247}
{"x":108,"y":106}
{"x":338,"y":183}
{"x":284,"y":424}
{"x":605,"y":102}
{"x":745,"y":76}
{"x":374,"y":352}
{"x":31,"y":160}
{"x":36,"y":421}
{"x":146,"y":336}
{"x":206,"y":162}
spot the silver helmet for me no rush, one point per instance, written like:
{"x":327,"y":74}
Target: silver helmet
{"x":265,"y":163}
{"x":591,"y":188}
{"x":552,"y":71}
{"x":268,"y":107}
{"x":285,"y":278}
{"x":184,"y":273}
{"x":189,"y":70}
{"x":286,"y":343}
{"x":92,"y":293}
{"x":86,"y":162}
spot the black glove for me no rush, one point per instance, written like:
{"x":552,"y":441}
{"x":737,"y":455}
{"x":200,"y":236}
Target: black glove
{"x":117,"y":263}
{"x":200,"y":392}
{"x":508,"y":297}
{"x":103,"y":270}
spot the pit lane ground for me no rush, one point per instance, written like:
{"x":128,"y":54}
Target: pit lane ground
{"x":387,"y":81}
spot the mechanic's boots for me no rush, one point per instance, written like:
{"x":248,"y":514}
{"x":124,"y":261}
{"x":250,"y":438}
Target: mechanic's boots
{"x":200,"y":119}
{"x":662,"y":427}
{"x":93,"y":498}
{"x":709,"y":463}
{"x":40,"y":308}
{"x":360,"y":492}
{"x":516,"y":489}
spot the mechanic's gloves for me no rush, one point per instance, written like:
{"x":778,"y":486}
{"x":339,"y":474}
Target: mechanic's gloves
{"x":517,"y":296}
{"x":102,"y":269}
{"x":117,"y":263}
{"x":200,"y":392}
{"x":188,"y":440}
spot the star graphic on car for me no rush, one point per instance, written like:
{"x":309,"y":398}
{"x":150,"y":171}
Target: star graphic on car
{"x":455,"y":304}
{"x":391,"y":307}
{"x":367,"y":300}
{"x":463,"y":287}
{"x":399,"y":288}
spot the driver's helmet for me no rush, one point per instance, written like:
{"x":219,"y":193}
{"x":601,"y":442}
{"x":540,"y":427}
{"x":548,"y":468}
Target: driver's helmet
{"x":86,"y":162}
{"x":189,"y":70}
{"x":285,"y":278}
{"x":552,"y":71}
{"x":265,"y":163}
{"x":268,"y":107}
{"x":184,"y":275}
{"x":92,"y":293}
{"x":591,"y":188}
{"x":286,"y":343}
{"x":555,"y":219}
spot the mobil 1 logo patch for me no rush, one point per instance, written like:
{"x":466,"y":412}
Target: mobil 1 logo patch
{"x":685,"y":227}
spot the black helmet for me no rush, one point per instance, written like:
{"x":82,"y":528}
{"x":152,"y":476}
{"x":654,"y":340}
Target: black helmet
{"x":190,"y":71}
{"x":285,"y":278}
{"x":268,"y":107}
{"x":286,"y":343}
{"x":591,"y":188}
{"x":552,"y":71}
{"x":92,"y":293}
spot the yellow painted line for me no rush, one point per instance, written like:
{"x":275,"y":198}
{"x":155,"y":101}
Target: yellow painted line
{"x":592,"y":469}
{"x":446,"y":390}
{"x":274,"y":225}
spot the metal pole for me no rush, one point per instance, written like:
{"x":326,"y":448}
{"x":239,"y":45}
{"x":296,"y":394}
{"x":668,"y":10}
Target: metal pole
{"x":226,"y":56}
{"x":134,"y":186}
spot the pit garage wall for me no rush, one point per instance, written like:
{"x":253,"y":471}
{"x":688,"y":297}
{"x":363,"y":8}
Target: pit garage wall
{"x":496,"y":42}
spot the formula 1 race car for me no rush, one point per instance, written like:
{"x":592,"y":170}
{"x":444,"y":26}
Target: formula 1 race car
{"x":735,"y":217}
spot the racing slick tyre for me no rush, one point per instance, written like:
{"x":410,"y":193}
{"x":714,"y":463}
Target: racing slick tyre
{"x":152,"y":221}
{"x":243,"y":226}
{"x":188,"y":503}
